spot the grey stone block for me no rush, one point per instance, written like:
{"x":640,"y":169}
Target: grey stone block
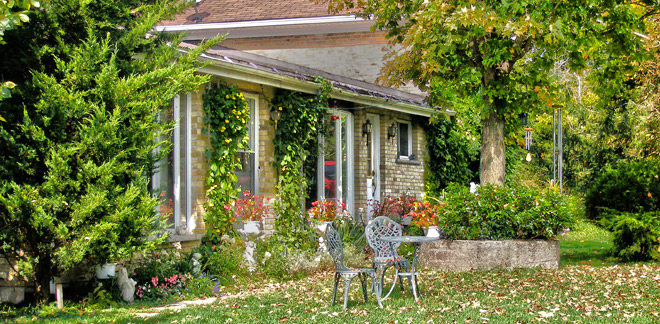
{"x":463,"y":255}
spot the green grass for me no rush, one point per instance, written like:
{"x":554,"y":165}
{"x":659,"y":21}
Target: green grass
{"x":589,"y":287}
{"x":586,"y":244}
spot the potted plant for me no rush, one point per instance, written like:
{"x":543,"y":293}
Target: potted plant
{"x":251,"y":210}
{"x":425,"y":216}
{"x":325,"y":211}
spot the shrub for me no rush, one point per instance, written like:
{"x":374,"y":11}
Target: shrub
{"x":631,"y":188}
{"x":636,"y":235}
{"x":497,"y":213}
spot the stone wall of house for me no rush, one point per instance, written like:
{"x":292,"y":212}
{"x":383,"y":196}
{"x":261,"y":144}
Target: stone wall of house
{"x":397,"y":177}
{"x":267,"y":173}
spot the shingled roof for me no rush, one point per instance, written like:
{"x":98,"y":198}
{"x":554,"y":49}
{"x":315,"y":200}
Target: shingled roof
{"x":385,"y":95}
{"x":219,"y":11}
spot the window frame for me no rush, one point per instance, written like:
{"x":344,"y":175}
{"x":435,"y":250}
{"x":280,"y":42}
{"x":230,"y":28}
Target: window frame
{"x":398,"y":141}
{"x":254,"y":123}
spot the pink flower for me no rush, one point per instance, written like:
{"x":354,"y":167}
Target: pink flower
{"x":227,"y":207}
{"x":154,"y":281}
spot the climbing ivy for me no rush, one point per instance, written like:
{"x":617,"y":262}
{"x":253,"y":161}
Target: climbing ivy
{"x":296,"y":145}
{"x":226,"y":115}
{"x":449,"y":155}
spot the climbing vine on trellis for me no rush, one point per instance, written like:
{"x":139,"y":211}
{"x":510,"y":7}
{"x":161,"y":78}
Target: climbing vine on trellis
{"x":296,"y":142}
{"x":226,"y":115}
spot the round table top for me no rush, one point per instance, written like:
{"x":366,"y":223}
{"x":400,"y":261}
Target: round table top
{"x":408,"y":239}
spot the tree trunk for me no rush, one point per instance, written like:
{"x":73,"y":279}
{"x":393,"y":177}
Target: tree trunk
{"x":43,"y":275}
{"x":493,"y":151}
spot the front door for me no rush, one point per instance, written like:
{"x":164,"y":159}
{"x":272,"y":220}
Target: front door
{"x":373,"y":165}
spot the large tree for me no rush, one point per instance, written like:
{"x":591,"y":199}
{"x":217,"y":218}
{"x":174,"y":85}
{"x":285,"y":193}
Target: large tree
{"x":497,"y":53}
{"x":82,"y":126}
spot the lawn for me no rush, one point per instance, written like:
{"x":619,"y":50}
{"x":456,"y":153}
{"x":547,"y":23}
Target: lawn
{"x":589,"y":287}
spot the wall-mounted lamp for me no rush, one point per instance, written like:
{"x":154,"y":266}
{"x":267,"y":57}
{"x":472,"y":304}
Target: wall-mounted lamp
{"x":366,"y":128}
{"x":275,"y":115}
{"x":392,"y":132}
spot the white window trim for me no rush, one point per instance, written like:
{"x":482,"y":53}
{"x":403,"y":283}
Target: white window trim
{"x":255,"y":149}
{"x":410,"y":136}
{"x":350,"y":176}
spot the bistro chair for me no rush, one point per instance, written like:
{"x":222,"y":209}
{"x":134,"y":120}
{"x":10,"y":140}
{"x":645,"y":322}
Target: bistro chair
{"x":385,"y":254}
{"x":336,"y":250}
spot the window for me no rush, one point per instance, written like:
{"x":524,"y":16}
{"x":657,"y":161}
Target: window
{"x":172,"y":176}
{"x":248,"y":173}
{"x":405,"y":140}
{"x":336,"y":159}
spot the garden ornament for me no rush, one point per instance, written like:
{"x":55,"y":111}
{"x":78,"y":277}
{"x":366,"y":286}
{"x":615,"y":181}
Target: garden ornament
{"x":126,"y":285}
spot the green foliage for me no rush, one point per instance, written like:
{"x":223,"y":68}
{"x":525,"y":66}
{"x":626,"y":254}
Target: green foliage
{"x":499,"y":54}
{"x":497,"y":213}
{"x":226,"y":115}
{"x":296,"y":146}
{"x":449,"y":155}
{"x":82,"y":129}
{"x":100,"y":298}
{"x":632,"y":187}
{"x":636,"y":235}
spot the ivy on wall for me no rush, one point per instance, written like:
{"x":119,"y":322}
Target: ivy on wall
{"x":296,"y":146}
{"x":449,"y":156}
{"x":226,"y":115}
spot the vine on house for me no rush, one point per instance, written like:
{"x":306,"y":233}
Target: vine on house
{"x":296,"y":144}
{"x":226,"y":115}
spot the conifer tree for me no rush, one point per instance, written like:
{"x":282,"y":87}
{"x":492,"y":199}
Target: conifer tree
{"x":82,"y":126}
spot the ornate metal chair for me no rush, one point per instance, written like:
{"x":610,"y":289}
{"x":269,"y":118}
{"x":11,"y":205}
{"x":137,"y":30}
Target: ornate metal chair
{"x":385,"y":254}
{"x":336,"y":250}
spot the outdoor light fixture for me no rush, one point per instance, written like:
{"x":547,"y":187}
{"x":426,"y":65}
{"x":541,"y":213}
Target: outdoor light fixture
{"x":366,"y":128}
{"x":275,"y":116}
{"x":392,"y":131}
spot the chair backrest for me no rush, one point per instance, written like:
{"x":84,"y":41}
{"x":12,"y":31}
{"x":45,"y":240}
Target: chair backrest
{"x":379,"y":227}
{"x":335,"y":246}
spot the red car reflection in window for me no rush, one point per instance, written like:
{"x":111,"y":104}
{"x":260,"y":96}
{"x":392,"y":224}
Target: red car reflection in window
{"x":330,"y":180}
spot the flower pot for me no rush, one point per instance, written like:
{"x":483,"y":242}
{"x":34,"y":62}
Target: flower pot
{"x":323,"y":226}
{"x":432,"y":231}
{"x":106,"y":271}
{"x":252,"y":227}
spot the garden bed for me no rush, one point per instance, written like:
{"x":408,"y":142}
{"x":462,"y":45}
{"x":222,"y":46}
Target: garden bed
{"x":464,"y":255}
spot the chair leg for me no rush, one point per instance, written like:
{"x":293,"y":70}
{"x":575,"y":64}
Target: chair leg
{"x":376,"y":290}
{"x":347,"y":283}
{"x":334,"y":290}
{"x":363,"y":282}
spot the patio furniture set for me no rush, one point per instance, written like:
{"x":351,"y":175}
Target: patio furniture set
{"x":384,"y":236}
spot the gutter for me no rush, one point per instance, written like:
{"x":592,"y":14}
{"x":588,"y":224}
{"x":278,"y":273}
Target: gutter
{"x":260,"y":23}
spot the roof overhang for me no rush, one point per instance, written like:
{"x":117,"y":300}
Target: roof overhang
{"x":225,"y":69}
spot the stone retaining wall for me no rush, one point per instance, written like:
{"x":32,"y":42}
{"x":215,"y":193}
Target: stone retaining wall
{"x":463,"y":255}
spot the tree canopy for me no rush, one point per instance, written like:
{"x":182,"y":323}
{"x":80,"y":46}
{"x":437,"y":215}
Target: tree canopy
{"x":499,"y":54}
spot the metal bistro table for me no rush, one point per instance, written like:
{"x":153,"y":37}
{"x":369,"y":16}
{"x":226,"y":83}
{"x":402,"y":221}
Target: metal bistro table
{"x":417,"y":242}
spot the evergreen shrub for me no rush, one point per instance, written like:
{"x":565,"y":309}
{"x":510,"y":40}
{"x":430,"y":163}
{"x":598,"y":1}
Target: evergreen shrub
{"x":630,"y":188}
{"x":636,"y":235}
